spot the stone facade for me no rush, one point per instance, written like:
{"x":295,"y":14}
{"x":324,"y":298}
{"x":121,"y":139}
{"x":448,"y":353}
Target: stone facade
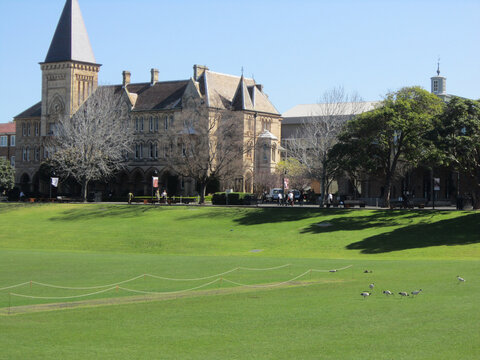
{"x":69,"y":77}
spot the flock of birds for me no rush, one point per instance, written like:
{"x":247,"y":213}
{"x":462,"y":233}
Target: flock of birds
{"x":401,"y":293}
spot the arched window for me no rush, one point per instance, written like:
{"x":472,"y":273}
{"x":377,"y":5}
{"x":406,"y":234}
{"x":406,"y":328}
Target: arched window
{"x":151,"y":123}
{"x":153,"y":150}
{"x":156,"y":123}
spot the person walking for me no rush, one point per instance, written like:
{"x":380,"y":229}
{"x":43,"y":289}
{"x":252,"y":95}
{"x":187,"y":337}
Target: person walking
{"x":280,"y":199}
{"x":130,"y":198}
{"x":164,"y":196}
{"x":291,"y":198}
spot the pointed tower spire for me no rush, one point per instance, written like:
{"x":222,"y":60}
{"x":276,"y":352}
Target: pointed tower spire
{"x":438,"y":68}
{"x":70,"y":42}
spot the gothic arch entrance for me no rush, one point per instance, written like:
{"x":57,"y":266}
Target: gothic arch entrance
{"x":169,"y":182}
{"x":139,"y":184}
{"x":25,"y":183}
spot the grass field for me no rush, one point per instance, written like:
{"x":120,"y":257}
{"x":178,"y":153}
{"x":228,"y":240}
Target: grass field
{"x":320,"y":315}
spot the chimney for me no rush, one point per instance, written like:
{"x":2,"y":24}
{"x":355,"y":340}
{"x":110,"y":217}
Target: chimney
{"x":154,"y":76}
{"x":198,"y":71}
{"x":126,"y":78}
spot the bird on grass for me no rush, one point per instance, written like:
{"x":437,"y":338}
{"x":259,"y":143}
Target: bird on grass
{"x":388,"y":292}
{"x":365,"y":294}
{"x":403,"y":293}
{"x":416,"y":292}
{"x":367,"y":271}
{"x":460,"y":279}
{"x":371,"y":286}
{"x":333,"y":270}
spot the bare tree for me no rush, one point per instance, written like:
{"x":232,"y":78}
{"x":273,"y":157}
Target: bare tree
{"x":319,"y":132}
{"x":208,"y":144}
{"x":264,"y":181}
{"x":92,"y":144}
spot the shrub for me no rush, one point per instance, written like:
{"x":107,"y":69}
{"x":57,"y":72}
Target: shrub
{"x":234,"y":198}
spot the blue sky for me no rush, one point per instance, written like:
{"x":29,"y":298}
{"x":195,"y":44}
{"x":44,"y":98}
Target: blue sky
{"x":296,"y":49}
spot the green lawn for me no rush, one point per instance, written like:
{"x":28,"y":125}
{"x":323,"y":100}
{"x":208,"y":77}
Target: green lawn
{"x":321,"y":316}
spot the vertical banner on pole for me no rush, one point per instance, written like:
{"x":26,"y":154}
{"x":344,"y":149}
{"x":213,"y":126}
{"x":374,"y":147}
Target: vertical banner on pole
{"x":285,"y":183}
{"x":54,"y":181}
{"x":155,"y":181}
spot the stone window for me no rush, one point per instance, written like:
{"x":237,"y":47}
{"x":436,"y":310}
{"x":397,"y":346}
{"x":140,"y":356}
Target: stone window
{"x":12,"y":140}
{"x":153,"y":150}
{"x":37,"y":154}
{"x":166,"y":122}
{"x":156,"y":123}
{"x":24,"y":129}
{"x":37,"y":128}
{"x":151,"y":123}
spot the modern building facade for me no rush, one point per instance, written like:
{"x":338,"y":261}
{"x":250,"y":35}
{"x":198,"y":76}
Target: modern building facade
{"x":70,"y":75}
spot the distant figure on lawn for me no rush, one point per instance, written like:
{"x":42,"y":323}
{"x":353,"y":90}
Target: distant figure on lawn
{"x":164,"y":196}
{"x":157,"y":195}
{"x":130,"y":198}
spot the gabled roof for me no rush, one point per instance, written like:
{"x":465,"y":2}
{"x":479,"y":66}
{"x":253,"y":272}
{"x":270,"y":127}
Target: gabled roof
{"x":8,"y":128}
{"x":161,"y":96}
{"x":70,"y":41}
{"x":32,"y":112}
{"x":241,"y":99}
{"x":225,"y":91}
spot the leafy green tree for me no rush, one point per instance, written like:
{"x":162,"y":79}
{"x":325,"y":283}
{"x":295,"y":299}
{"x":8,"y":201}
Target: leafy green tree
{"x":7,"y":175}
{"x":457,"y":141}
{"x":383,"y":140}
{"x":295,"y":171}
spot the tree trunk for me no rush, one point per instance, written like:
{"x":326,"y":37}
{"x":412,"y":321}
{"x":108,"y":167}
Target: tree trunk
{"x":84,"y":190}
{"x":203,"y":188}
{"x":388,"y":186}
{"x":322,"y":186}
{"x":476,"y":198}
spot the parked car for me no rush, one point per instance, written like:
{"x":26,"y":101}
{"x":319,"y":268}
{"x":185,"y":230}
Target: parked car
{"x":296,"y":194}
{"x":273,"y":194}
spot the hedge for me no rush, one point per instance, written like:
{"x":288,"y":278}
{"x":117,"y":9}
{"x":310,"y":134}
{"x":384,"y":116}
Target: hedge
{"x":234,"y":198}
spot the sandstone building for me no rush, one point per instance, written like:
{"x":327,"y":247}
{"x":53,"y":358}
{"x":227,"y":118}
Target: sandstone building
{"x":70,"y":75}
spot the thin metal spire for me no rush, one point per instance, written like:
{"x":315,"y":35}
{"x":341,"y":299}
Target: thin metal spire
{"x":438,"y":68}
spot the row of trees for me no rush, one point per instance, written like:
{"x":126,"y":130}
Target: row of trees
{"x":409,"y":128}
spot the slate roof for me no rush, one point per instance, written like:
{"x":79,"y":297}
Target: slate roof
{"x":8,"y":128}
{"x":224,"y":91}
{"x":32,"y":112}
{"x":70,"y":41}
{"x":162,"y":95}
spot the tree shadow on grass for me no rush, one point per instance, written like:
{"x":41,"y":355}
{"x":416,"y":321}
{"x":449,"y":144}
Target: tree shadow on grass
{"x":373,"y":219}
{"x":6,"y":207}
{"x":87,"y":213}
{"x":461,"y":230}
